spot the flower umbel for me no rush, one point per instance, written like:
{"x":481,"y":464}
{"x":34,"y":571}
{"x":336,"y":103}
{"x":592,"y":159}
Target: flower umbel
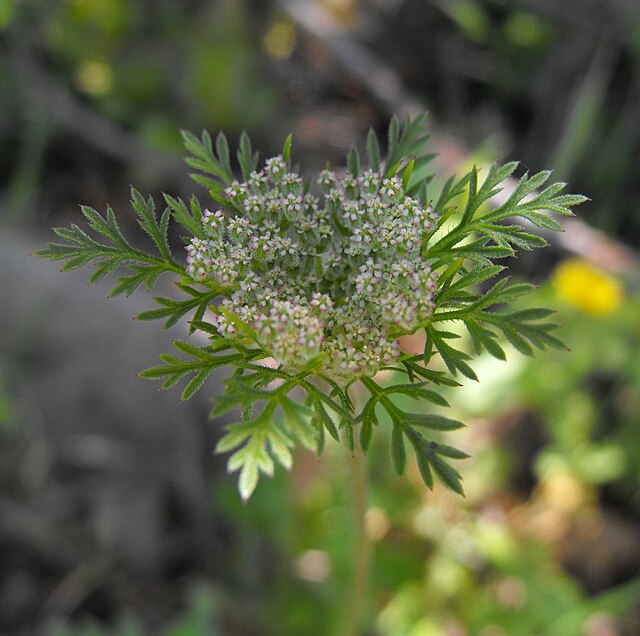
{"x":323,"y":277}
{"x":343,"y":277}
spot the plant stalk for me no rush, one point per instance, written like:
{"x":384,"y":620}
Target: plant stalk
{"x":357,"y":599}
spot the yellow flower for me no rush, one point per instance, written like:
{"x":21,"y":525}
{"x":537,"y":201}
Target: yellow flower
{"x":588,"y":288}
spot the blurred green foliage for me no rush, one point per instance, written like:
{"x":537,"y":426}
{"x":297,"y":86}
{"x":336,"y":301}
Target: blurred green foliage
{"x":134,"y":61}
{"x":147,"y":69}
{"x":588,"y":399}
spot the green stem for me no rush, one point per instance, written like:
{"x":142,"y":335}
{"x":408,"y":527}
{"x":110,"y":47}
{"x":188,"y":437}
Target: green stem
{"x":358,"y":594}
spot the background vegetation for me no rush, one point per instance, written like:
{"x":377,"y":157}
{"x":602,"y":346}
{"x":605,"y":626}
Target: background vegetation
{"x":114,"y":517}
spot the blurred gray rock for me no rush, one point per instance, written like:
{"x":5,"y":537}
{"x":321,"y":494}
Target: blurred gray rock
{"x":106,"y":463}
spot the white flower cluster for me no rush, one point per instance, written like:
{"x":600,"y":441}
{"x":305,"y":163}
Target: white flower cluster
{"x":343,"y":279}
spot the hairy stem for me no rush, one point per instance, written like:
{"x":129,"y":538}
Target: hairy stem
{"x":358,"y":594}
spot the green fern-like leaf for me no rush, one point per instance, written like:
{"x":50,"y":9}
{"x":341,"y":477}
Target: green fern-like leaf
{"x":282,"y":406}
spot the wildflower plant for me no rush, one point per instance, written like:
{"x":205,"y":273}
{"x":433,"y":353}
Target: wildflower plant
{"x":304,"y":288}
